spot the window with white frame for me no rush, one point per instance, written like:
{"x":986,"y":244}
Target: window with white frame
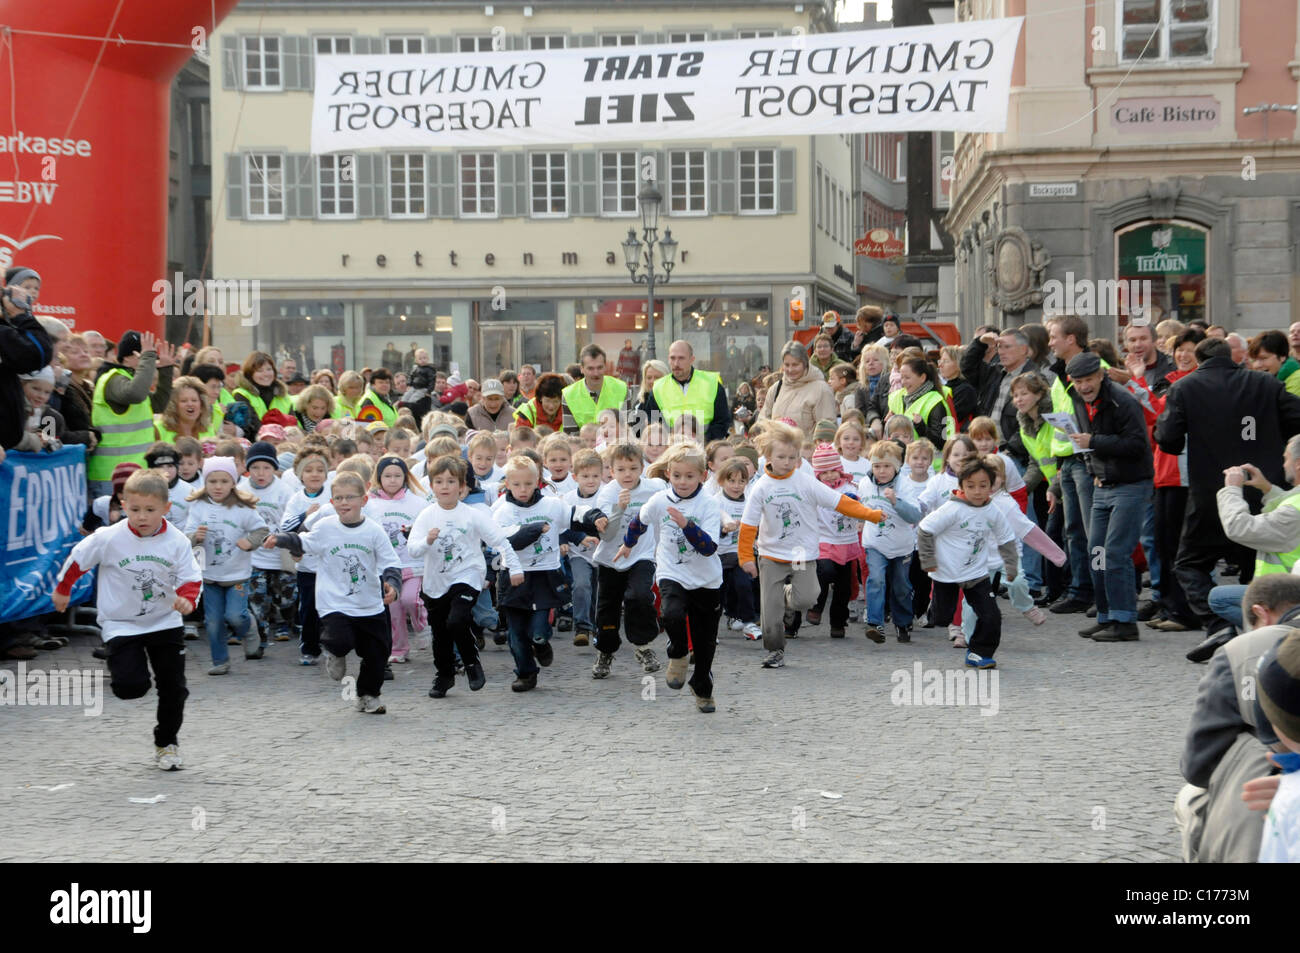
{"x":755,"y":34}
{"x":618,"y":39}
{"x":478,"y":184}
{"x":687,"y":171}
{"x":547,"y":41}
{"x":262,"y":63}
{"x":475,"y":44}
{"x":757,"y":181}
{"x":404,"y":44}
{"x":264,"y":184}
{"x":687,"y":36}
{"x":333,"y":44}
{"x":406,"y":185}
{"x":1166,"y":30}
{"x":336,"y":187}
{"x":618,"y":183}
{"x":549,"y":183}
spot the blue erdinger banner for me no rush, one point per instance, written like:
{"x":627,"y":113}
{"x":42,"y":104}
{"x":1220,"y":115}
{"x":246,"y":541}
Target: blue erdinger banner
{"x":44,"y":501}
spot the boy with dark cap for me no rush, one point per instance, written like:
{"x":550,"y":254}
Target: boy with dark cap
{"x":273,"y":598}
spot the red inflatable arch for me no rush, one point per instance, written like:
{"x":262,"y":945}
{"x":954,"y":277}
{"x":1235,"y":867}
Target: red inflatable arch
{"x":83,"y":166}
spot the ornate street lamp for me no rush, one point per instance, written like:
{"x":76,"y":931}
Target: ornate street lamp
{"x":640,"y":253}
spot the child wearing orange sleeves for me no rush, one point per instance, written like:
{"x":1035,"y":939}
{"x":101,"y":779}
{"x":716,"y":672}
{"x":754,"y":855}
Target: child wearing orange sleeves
{"x":781,"y":518}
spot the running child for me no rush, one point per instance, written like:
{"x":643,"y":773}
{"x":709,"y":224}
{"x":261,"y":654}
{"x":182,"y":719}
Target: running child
{"x":625,"y":591}
{"x":311,"y":467}
{"x":148,"y":579}
{"x":685,"y":523}
{"x":850,"y":439}
{"x":396,"y":498}
{"x":889,"y":543}
{"x":354,"y":557}
{"x":954,"y":542}
{"x":840,"y":551}
{"x":273,"y":594}
{"x":737,"y":588}
{"x":223,"y":519}
{"x":587,"y":470}
{"x":781,"y":519}
{"x":449,"y":536}
{"x":533,"y":522}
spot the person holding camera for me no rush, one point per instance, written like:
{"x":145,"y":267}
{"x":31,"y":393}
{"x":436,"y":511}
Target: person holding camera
{"x":25,"y":348}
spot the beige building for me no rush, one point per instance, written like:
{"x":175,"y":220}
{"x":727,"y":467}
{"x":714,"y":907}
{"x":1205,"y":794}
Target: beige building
{"x":492,"y":258}
{"x":1137,"y":151}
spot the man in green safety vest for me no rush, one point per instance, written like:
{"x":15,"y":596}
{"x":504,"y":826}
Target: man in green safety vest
{"x":1274,"y":534}
{"x":595,"y":391}
{"x":124,"y":403}
{"x":688,"y":390}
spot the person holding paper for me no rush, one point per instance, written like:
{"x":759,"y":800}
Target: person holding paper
{"x":1120,"y":463}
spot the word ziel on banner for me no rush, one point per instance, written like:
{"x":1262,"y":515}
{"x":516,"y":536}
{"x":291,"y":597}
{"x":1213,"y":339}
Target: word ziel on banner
{"x":949,"y":77}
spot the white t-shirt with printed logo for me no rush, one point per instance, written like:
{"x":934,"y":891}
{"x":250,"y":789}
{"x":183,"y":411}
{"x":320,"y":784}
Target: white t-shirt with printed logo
{"x":456,"y":556}
{"x":675,"y":557}
{"x":223,"y":561}
{"x":612,"y":539}
{"x":271,"y":501}
{"x":963,"y":535}
{"x":350,"y":562}
{"x":543,"y":554}
{"x":392,"y":515}
{"x":893,"y":536}
{"x":785,"y":512}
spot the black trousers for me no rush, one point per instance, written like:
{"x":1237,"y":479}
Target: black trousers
{"x":840,"y":577}
{"x":628,"y":596}
{"x":988,"y":625}
{"x":449,"y":618}
{"x":920,"y":589}
{"x":737,"y":591}
{"x":1171,"y":506}
{"x":693,"y":614}
{"x":129,"y":659}
{"x":308,"y":617}
{"x":370,"y":636}
{"x":1201,"y":545}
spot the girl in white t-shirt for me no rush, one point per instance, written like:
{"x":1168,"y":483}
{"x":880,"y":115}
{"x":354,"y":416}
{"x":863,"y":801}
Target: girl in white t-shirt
{"x":396,"y":498}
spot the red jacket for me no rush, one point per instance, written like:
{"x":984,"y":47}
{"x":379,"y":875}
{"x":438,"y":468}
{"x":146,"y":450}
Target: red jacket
{"x":1171,"y":469}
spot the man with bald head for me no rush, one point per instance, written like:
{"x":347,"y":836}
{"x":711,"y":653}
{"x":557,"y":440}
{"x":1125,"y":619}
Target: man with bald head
{"x":689,"y":390}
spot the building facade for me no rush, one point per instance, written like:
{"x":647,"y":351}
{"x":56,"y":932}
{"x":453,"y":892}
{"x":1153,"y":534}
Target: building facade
{"x":1138,"y":169}
{"x":494,"y":258}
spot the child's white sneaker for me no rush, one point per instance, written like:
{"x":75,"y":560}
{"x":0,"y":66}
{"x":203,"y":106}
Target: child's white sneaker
{"x":336,"y":666}
{"x":736,"y":625}
{"x":753,"y":631}
{"x":168,"y":758}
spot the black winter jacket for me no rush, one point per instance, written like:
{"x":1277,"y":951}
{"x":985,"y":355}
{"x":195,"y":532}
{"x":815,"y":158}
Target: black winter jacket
{"x":24,"y":348}
{"x":1228,"y":416}
{"x":1121,"y":451}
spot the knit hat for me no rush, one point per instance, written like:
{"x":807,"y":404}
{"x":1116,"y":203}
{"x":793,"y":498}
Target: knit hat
{"x":286,"y":460}
{"x":749,"y":453}
{"x":279,"y":417}
{"x":220,"y":465}
{"x":1279,"y":686}
{"x":46,"y":374}
{"x":130,"y":344}
{"x":390,"y":461}
{"x":121,"y":473}
{"x":17,"y":276}
{"x":262,"y":451}
{"x":824,"y":432}
{"x":453,"y":380}
{"x":826,"y":458}
{"x":1081,"y":365}
{"x":163,"y":457}
{"x":443,"y":430}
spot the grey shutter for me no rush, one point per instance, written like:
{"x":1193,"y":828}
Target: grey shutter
{"x":584,"y":189}
{"x":785,"y":180}
{"x":441,"y":44}
{"x":306,"y":61}
{"x":585,"y":39}
{"x":300,"y":186}
{"x":441,"y":168}
{"x":723,"y":182}
{"x":370,"y":172}
{"x":368,"y":45}
{"x":290,"y":63}
{"x":660,"y":168}
{"x":234,"y":185}
{"x":232,"y":66}
{"x":723,"y":35}
{"x":652,"y":39}
{"x":512,"y":184}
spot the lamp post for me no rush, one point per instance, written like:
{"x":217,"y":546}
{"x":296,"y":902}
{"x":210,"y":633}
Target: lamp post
{"x":641,"y":252}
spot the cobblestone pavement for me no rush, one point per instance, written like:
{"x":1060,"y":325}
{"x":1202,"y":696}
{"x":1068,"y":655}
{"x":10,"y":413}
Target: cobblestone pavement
{"x":1078,"y":764}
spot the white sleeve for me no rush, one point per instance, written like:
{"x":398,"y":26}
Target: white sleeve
{"x":938,"y":521}
{"x":753,"y":514}
{"x":417,"y":543}
{"x":192,"y":520}
{"x":385,"y":555}
{"x":86,"y":554}
{"x":651,"y":512}
{"x":711,"y":519}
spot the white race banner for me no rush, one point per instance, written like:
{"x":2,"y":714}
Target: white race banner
{"x":949,"y":77}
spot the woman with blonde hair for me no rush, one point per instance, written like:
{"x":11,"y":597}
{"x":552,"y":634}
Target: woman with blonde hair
{"x":312,"y":406}
{"x":188,"y":413}
{"x":348,"y":402}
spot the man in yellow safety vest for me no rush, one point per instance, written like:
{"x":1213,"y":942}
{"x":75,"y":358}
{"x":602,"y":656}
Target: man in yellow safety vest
{"x":124,"y":403}
{"x":595,"y":391}
{"x":688,"y":390}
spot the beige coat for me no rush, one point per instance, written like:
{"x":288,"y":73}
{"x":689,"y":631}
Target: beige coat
{"x":806,"y":401}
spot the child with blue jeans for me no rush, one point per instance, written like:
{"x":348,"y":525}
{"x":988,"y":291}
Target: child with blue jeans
{"x":587,"y":470}
{"x":889,"y":543}
{"x":533,"y":523}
